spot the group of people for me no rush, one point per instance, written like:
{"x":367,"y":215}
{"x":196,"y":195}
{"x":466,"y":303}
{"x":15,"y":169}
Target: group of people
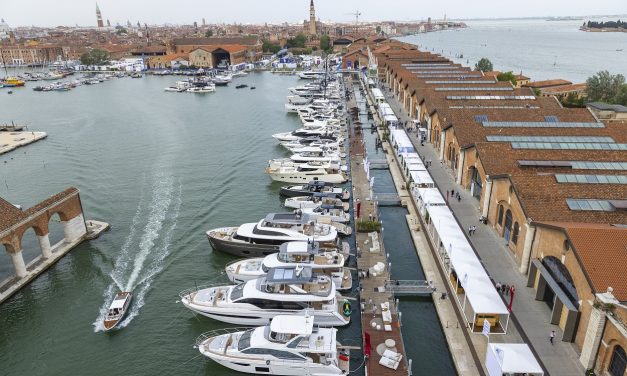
{"x":454,"y":195}
{"x":503,"y":288}
{"x":471,"y":230}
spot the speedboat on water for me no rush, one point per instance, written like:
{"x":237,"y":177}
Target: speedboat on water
{"x":265,"y":237}
{"x":292,"y":254}
{"x":321,"y":187}
{"x":283,"y":291}
{"x":290,"y":345}
{"x":314,"y":201}
{"x":117,"y":309}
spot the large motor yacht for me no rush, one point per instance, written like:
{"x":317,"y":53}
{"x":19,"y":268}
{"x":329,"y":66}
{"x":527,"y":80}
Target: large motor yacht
{"x":290,"y":345}
{"x":315,"y":201}
{"x":292,"y":254}
{"x":295,"y":290}
{"x":322,"y":187}
{"x":264,"y":237}
{"x":304,"y":172}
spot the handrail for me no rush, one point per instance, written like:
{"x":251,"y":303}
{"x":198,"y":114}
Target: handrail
{"x":217,"y":332}
{"x":190,"y":290}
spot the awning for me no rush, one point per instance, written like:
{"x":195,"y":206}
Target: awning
{"x":511,"y":358}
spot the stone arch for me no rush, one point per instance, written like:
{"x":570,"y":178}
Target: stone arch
{"x":499,"y":218}
{"x":29,"y":244}
{"x":562,"y":276}
{"x":56,"y":231}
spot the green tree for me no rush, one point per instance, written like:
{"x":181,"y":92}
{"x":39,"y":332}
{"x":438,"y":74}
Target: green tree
{"x":621,"y":96}
{"x":325,"y":43}
{"x":209,"y":33}
{"x":484,"y":65}
{"x":604,"y":86}
{"x":507,"y":76}
{"x":270,"y":47}
{"x":298,"y":41}
{"x":95,"y":56}
{"x":121,"y":31}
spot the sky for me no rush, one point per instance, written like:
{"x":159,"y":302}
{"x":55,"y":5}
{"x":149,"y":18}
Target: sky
{"x":82,"y":12}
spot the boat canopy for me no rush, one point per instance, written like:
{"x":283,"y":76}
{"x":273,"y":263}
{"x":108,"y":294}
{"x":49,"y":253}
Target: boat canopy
{"x":297,"y":275}
{"x":300,"y":247}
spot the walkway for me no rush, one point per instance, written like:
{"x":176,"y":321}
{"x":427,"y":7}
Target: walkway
{"x":529,"y":314}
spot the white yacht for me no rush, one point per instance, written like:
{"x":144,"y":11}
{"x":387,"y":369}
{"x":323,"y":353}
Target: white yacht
{"x":328,"y":212}
{"x":292,"y":254}
{"x":315,"y":201}
{"x":202,"y":89}
{"x":320,"y":187}
{"x":282,"y":291}
{"x":264,"y":237}
{"x":304,"y":132}
{"x":305,"y":172}
{"x":311,"y":75}
{"x":291,"y":345}
{"x":179,"y":87}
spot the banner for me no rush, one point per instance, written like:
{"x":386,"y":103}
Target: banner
{"x":486,"y":328}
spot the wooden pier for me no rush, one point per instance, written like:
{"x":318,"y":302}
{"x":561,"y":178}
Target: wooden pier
{"x":379,"y":317}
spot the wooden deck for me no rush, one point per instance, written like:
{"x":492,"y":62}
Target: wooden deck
{"x":367,"y":257}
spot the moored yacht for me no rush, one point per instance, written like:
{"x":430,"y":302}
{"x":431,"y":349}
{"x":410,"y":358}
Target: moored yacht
{"x":328,"y":212}
{"x":265,"y":237}
{"x":321,"y":187}
{"x":293,"y":173}
{"x":292,"y":254}
{"x":290,"y":345}
{"x":282,"y":291}
{"x":314,"y":201}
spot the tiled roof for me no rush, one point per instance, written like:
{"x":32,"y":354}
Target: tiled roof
{"x":548,"y":83}
{"x":602,"y":252}
{"x":247,"y":41}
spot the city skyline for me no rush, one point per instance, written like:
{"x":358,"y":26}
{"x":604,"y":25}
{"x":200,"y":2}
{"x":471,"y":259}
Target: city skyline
{"x":252,"y":12}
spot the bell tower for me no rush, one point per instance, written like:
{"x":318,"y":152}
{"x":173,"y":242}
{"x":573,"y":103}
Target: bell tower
{"x":99,"y":17}
{"x":312,"y":19}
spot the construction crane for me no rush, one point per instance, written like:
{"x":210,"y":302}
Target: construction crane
{"x":356,"y":14}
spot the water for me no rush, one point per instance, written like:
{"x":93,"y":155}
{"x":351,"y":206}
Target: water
{"x":161,"y":168}
{"x":540,"y":49}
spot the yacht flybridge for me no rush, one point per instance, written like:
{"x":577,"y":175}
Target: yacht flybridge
{"x":293,"y":254}
{"x":264,"y":237}
{"x":290,"y":345}
{"x":292,"y":290}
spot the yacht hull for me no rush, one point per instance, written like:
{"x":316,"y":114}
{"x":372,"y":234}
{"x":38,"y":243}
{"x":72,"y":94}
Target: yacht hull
{"x":242,"y":249}
{"x":240,"y":316}
{"x":255,"y":366}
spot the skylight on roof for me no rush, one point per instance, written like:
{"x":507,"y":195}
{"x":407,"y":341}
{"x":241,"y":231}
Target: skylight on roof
{"x":591,"y":179}
{"x":551,"y":119}
{"x":559,"y":139}
{"x":540,"y":124}
{"x":481,"y":118}
{"x":569,"y":146}
{"x":474,"y":89}
{"x":590,"y":205}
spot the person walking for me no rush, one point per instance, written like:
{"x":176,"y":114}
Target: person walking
{"x":498,"y":286}
{"x":552,"y":336}
{"x":469,"y":230}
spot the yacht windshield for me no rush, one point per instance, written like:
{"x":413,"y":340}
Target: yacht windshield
{"x":244,"y":340}
{"x":237,"y":292}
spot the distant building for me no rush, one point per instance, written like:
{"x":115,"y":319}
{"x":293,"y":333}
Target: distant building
{"x":607,"y":112}
{"x":312,"y":19}
{"x":5,"y":30}
{"x":99,"y":17}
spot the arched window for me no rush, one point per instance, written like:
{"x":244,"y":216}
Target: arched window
{"x":500,"y":219}
{"x":560,"y":273}
{"x":618,"y":363}
{"x":566,"y":246}
{"x":515,"y":233}
{"x":507,"y":228}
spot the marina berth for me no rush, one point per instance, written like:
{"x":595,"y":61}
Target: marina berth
{"x":292,"y":254}
{"x":289,"y":345}
{"x":315,"y":186}
{"x":315,"y":201}
{"x":291,"y":291}
{"x":265,"y":237}
{"x":305,"y":172}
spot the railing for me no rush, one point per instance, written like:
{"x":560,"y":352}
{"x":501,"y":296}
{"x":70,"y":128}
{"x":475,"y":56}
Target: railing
{"x":218,"y":332}
{"x":190,"y":290}
{"x":409,"y":287}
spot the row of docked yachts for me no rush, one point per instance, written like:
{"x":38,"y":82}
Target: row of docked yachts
{"x":287,"y":287}
{"x":316,"y":147}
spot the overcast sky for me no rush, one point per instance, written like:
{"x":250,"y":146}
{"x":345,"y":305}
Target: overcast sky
{"x":82,"y":12}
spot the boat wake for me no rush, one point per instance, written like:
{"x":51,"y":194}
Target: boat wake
{"x":145,"y":248}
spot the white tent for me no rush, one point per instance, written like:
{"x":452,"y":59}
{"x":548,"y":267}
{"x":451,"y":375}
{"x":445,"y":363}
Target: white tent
{"x":511,"y":358}
{"x":430,"y":196}
{"x":401,"y":142}
{"x":421,"y":177}
{"x":378,"y":95}
{"x":459,"y":256}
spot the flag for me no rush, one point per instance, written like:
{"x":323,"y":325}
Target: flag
{"x":486,"y":328}
{"x":372,"y":182}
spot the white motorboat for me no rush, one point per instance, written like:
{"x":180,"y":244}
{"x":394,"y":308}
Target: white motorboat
{"x":292,"y":254}
{"x":179,"y":87}
{"x":202,"y":89}
{"x":290,"y":345}
{"x":282,"y":291}
{"x":315,"y":201}
{"x":311,"y":75}
{"x":117,"y":309}
{"x":304,"y":132}
{"x":264,"y":237}
{"x":305,"y":172}
{"x":314,"y":187}
{"x":327,"y":212}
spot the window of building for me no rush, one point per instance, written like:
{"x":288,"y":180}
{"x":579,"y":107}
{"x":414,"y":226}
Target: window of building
{"x":566,"y":246}
{"x":560,"y":273}
{"x":618,"y":363}
{"x":500,"y":217}
{"x":551,"y":119}
{"x":515,"y":233}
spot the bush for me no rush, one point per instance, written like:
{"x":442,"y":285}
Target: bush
{"x":364,"y":225}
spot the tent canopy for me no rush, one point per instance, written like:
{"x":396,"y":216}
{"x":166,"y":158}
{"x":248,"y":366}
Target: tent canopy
{"x":430,"y":196}
{"x":421,"y":177}
{"x":511,"y":358}
{"x":402,"y":141}
{"x":479,"y":290}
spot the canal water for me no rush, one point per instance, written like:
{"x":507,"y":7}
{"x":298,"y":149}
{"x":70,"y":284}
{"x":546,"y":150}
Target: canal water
{"x":424,"y":340}
{"x":161,"y":168}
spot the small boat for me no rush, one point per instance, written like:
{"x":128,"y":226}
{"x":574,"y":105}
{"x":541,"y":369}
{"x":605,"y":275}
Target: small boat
{"x":241,"y":86}
{"x":252,"y":88}
{"x":117,"y":309}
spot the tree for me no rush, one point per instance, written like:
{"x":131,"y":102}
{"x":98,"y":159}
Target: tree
{"x":507,"y":76}
{"x":604,"y":86}
{"x":95,"y":56}
{"x":270,"y":47}
{"x":484,"y":65}
{"x":621,"y":96}
{"x":209,"y":33}
{"x":298,"y":41}
{"x":325,"y":43}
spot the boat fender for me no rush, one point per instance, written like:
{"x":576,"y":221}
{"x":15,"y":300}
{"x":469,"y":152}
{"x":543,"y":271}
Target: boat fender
{"x":346,"y":308}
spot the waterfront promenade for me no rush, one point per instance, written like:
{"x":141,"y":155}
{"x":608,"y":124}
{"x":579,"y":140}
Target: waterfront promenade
{"x":370,"y":251}
{"x":528,"y":315}
{"x":12,"y":140}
